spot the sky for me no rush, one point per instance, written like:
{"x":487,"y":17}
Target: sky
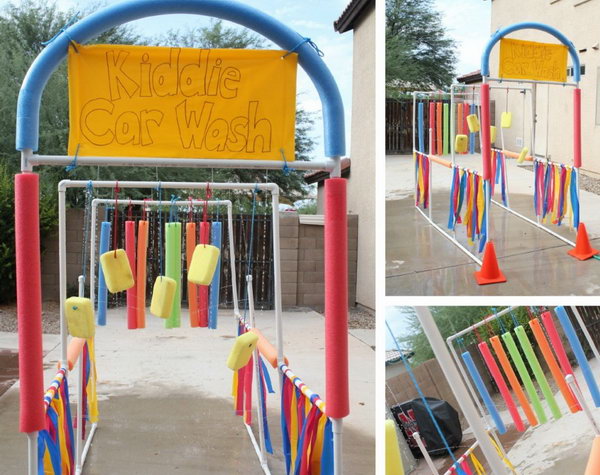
{"x":396,"y":319}
{"x":310,"y":18}
{"x":468,"y":23}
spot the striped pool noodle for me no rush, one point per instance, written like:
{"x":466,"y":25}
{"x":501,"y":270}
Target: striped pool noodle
{"x":557,"y":374}
{"x":446,"y":119}
{"x":102,"y":290}
{"x":579,"y":353}
{"x":132,"y":292}
{"x":215,"y":285}
{"x":173,"y":270}
{"x":485,"y":395}
{"x":203,"y":289}
{"x":431,"y":137}
{"x":534,"y":364}
{"x":514,"y":381}
{"x":525,"y":377}
{"x":504,"y":391}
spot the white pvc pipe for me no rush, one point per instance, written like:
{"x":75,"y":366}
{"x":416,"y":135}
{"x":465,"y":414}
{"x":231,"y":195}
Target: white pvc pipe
{"x":458,"y":388}
{"x":337,"y":427}
{"x":64,"y":184}
{"x":32,"y":453}
{"x":417,"y":437}
{"x":582,"y":402}
{"x":62,"y":273}
{"x":80,"y":383}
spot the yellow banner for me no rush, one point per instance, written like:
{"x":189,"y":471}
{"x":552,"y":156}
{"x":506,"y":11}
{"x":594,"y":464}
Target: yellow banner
{"x":530,"y":60}
{"x":140,"y":101}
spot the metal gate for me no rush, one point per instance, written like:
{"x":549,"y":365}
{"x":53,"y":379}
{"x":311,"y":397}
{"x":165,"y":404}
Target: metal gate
{"x":398,"y":126}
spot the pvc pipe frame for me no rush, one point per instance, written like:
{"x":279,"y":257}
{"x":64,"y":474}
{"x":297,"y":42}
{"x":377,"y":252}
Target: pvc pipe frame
{"x":458,"y":388}
{"x":268,"y":187}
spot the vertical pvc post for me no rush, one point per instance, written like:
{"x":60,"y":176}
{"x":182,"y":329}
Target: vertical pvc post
{"x":93,"y":254}
{"x":234,"y":292}
{"x":62,"y":273}
{"x":426,"y":455}
{"x":79,"y":415}
{"x":29,"y":311}
{"x":462,"y":396}
{"x":577,"y":127}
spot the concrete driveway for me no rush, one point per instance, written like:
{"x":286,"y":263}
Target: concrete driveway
{"x":421,"y":261}
{"x":165,"y":404}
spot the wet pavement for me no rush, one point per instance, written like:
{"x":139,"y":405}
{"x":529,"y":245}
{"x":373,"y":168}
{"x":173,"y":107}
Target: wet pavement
{"x":165,"y":404}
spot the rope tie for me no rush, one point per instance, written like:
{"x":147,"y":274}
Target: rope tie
{"x":286,"y":168}
{"x":73,"y":165}
{"x":305,"y":40}
{"x":173,"y":208}
{"x":72,"y":21}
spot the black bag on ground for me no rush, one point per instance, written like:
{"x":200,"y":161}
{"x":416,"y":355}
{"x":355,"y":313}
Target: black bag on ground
{"x":412,"y":416}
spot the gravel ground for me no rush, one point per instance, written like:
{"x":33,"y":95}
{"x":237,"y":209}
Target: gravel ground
{"x":586,"y":182}
{"x":50,"y":318}
{"x":361,"y":317}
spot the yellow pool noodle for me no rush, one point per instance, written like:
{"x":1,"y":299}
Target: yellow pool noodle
{"x":461,"y":144}
{"x":117,"y":271}
{"x":473,"y":123}
{"x":242,"y":351}
{"x":492,"y":134}
{"x":506,"y":120}
{"x":522,"y":155}
{"x":393,"y":460}
{"x":80,"y":317}
{"x":163,"y":294}
{"x":203,"y":265}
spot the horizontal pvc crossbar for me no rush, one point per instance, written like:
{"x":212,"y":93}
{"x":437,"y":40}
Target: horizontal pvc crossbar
{"x":309,"y":393}
{"x":529,"y":25}
{"x":195,"y":202}
{"x":30,"y":95}
{"x":66,"y":160}
{"x":271,"y":187}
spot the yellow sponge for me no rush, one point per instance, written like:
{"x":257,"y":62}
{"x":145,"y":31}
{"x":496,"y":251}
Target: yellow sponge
{"x":203,"y":265}
{"x":492,"y":134}
{"x":242,"y":351}
{"x":523,"y":155}
{"x":461,"y":143}
{"x":163,"y":295}
{"x":116,"y":269}
{"x":80,"y":317}
{"x":506,"y":120}
{"x":473,"y":123}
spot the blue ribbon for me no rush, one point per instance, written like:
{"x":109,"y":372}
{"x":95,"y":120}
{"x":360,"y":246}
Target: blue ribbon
{"x":574,"y":198}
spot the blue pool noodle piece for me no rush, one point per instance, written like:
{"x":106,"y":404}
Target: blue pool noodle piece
{"x":421,"y":131}
{"x":485,"y":395}
{"x":579,"y":353}
{"x":213,"y":300}
{"x":102,"y":292}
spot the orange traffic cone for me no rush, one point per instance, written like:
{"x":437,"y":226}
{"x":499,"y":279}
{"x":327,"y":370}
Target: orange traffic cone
{"x":490,"y":273}
{"x":583,"y":249}
{"x":593,"y":465}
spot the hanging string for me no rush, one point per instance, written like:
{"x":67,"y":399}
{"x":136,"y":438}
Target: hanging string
{"x":207,"y":196}
{"x":144,"y":209}
{"x":116,"y":218}
{"x":173,"y":209}
{"x":514,"y":319}
{"x":160,"y":240}
{"x":87,"y":218}
{"x":129,"y":211}
{"x":250,"y":254}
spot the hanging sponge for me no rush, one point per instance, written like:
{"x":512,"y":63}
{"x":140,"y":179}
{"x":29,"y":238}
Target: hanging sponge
{"x":203,"y":265}
{"x":242,"y":351}
{"x":117,"y":271}
{"x":80,"y":317}
{"x":522,"y":155}
{"x":163,"y":295}
{"x":461,"y":144}
{"x":492,"y":134}
{"x":506,"y":120}
{"x":473,"y":123}
{"x":393,"y":460}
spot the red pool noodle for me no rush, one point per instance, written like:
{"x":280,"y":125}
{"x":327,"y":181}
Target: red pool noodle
{"x":431,"y":136}
{"x":485,"y":132}
{"x":559,"y":349}
{"x":29,"y":302}
{"x":132,"y":292}
{"x":142,"y":248}
{"x":203,"y":290}
{"x":336,"y":299}
{"x":190,"y":245}
{"x":506,"y":395}
{"x":577,"y":128}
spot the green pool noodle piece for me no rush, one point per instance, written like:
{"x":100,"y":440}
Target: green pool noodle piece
{"x":524,"y":374}
{"x":537,"y":371}
{"x":173,"y":270}
{"x":446,"y":129}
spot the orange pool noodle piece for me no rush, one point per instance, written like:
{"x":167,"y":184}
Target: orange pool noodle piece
{"x":73,"y":351}
{"x":117,"y":271}
{"x":142,"y":248}
{"x":542,"y":342}
{"x":266,"y":349}
{"x":192,"y":289}
{"x":593,"y":465}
